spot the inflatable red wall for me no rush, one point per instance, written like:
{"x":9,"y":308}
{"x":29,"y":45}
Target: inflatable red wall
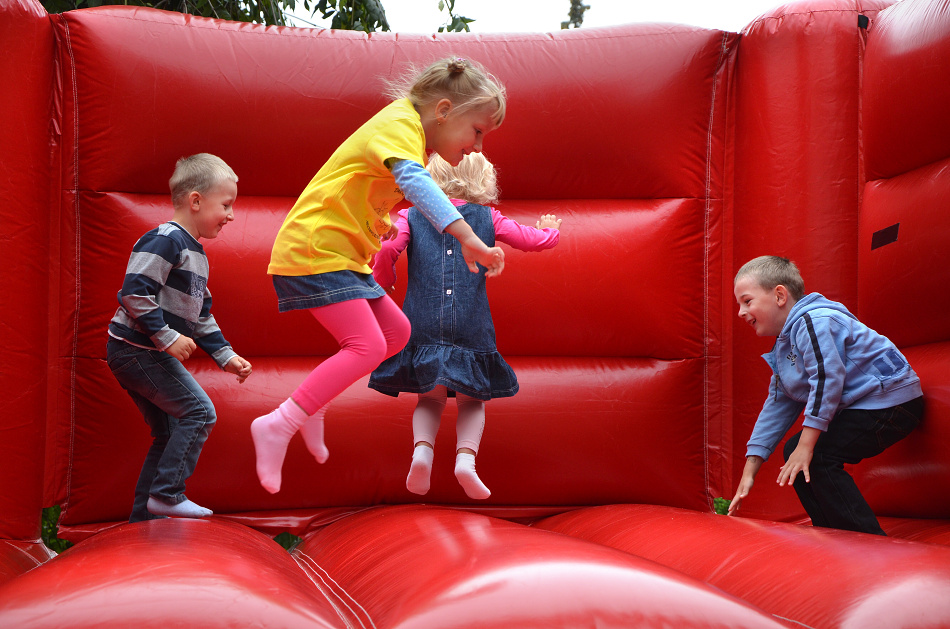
{"x":672,"y":153}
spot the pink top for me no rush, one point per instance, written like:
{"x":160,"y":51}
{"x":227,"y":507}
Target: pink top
{"x":512,"y":233}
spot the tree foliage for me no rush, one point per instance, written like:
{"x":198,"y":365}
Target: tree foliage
{"x":259,"y":11}
{"x":575,"y":15}
{"x":353,"y":15}
{"x":455,"y":23}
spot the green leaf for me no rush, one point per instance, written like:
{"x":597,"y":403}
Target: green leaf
{"x":288,"y":540}
{"x":50,"y":528}
{"x":721,"y":506}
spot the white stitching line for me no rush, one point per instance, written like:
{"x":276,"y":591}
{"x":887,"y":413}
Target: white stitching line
{"x":75,"y":342}
{"x":709,"y":138}
{"x":338,"y":591}
{"x":327,"y":592}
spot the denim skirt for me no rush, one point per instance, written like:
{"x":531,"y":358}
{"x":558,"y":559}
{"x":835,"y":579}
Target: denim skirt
{"x":303,"y":292}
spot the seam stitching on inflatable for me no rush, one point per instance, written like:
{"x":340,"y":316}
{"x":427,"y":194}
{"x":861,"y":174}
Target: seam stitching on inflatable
{"x":78,"y":295}
{"x":331,"y":592}
{"x":326,"y":590}
{"x":709,"y":130}
{"x":706,"y":278}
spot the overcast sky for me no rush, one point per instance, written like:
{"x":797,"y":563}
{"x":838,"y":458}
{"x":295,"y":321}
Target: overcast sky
{"x":507,"y":16}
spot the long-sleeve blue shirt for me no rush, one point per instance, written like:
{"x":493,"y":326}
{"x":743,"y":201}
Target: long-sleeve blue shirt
{"x":825,"y":361}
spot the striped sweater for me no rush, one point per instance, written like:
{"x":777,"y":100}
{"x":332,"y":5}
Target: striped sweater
{"x":165,"y":294}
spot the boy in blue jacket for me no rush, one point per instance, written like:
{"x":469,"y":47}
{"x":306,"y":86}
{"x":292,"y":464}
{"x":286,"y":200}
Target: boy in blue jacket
{"x":858,"y":392}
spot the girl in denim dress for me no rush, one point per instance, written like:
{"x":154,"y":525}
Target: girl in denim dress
{"x":451,"y":350}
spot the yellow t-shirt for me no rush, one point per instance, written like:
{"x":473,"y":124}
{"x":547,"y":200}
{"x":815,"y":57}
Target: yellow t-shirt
{"x":337,"y":221}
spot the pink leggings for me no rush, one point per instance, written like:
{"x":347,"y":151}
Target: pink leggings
{"x":368,"y":330}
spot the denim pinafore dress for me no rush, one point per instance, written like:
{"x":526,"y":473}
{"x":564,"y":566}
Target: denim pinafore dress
{"x":453,"y":338}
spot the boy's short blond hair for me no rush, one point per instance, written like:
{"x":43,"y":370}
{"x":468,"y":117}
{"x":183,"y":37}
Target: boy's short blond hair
{"x":473,"y":180}
{"x":198,"y":173}
{"x":771,"y":271}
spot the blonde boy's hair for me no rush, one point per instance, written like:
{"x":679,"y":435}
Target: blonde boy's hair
{"x":463,"y":81}
{"x":770,"y":271}
{"x":198,"y":173}
{"x":473,"y":180}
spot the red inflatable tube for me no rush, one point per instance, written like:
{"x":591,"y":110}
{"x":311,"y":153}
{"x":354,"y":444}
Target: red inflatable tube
{"x":417,"y":566}
{"x":19,"y":557}
{"x":810,"y":576}
{"x":168,"y":573}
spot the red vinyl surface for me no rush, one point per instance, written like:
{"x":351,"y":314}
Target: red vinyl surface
{"x":672,"y":153}
{"x":816,"y":577}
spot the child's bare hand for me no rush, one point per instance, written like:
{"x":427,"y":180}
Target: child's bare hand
{"x":239,"y":367}
{"x":496,"y":263}
{"x":745,"y":486}
{"x":392,"y":233}
{"x":492,"y":258}
{"x":549,"y":220}
{"x":182,"y":348}
{"x":797,"y":462}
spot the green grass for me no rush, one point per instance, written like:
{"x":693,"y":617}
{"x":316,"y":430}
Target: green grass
{"x":51,"y":528}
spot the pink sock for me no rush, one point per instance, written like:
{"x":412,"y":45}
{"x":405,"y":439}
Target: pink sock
{"x":271,"y":434}
{"x":312,"y":432}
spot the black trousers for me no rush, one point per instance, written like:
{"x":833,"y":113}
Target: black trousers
{"x":832,"y":499}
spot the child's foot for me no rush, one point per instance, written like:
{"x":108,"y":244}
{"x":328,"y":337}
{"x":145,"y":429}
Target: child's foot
{"x":468,"y":479}
{"x":271,"y":434}
{"x":184,"y":509}
{"x":418,"y":480}
{"x":312,"y":432}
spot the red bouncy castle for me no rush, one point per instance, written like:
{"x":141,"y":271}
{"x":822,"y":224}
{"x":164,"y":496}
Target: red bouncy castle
{"x":674,"y":154}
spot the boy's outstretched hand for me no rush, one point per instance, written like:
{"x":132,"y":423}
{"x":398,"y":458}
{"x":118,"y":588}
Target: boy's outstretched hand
{"x":752,"y":465}
{"x":800,"y":458}
{"x":745,"y":486}
{"x":239,"y":367}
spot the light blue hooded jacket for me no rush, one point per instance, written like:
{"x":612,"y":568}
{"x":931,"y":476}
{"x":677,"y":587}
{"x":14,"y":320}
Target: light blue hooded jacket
{"x":825,"y":361}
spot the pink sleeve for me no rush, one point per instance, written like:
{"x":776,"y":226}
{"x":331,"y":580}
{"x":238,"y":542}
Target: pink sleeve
{"x":523,"y":237}
{"x":384,"y":266}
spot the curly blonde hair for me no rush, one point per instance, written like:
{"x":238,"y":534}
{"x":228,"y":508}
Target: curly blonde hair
{"x":473,"y":180}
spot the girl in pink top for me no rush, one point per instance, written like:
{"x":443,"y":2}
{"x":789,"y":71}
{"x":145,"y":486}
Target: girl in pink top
{"x":451,"y":349}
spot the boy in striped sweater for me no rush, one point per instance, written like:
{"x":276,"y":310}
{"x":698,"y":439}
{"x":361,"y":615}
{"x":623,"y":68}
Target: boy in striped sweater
{"x":858,"y":392}
{"x":164,"y":314}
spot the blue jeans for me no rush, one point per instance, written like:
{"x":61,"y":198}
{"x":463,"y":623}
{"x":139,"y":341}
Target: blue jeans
{"x":832,"y":499}
{"x":179,"y":413}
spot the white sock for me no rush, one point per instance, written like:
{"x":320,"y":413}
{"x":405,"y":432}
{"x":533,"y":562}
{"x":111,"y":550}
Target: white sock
{"x":418,"y":480}
{"x":468,"y":479}
{"x":184,"y":509}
